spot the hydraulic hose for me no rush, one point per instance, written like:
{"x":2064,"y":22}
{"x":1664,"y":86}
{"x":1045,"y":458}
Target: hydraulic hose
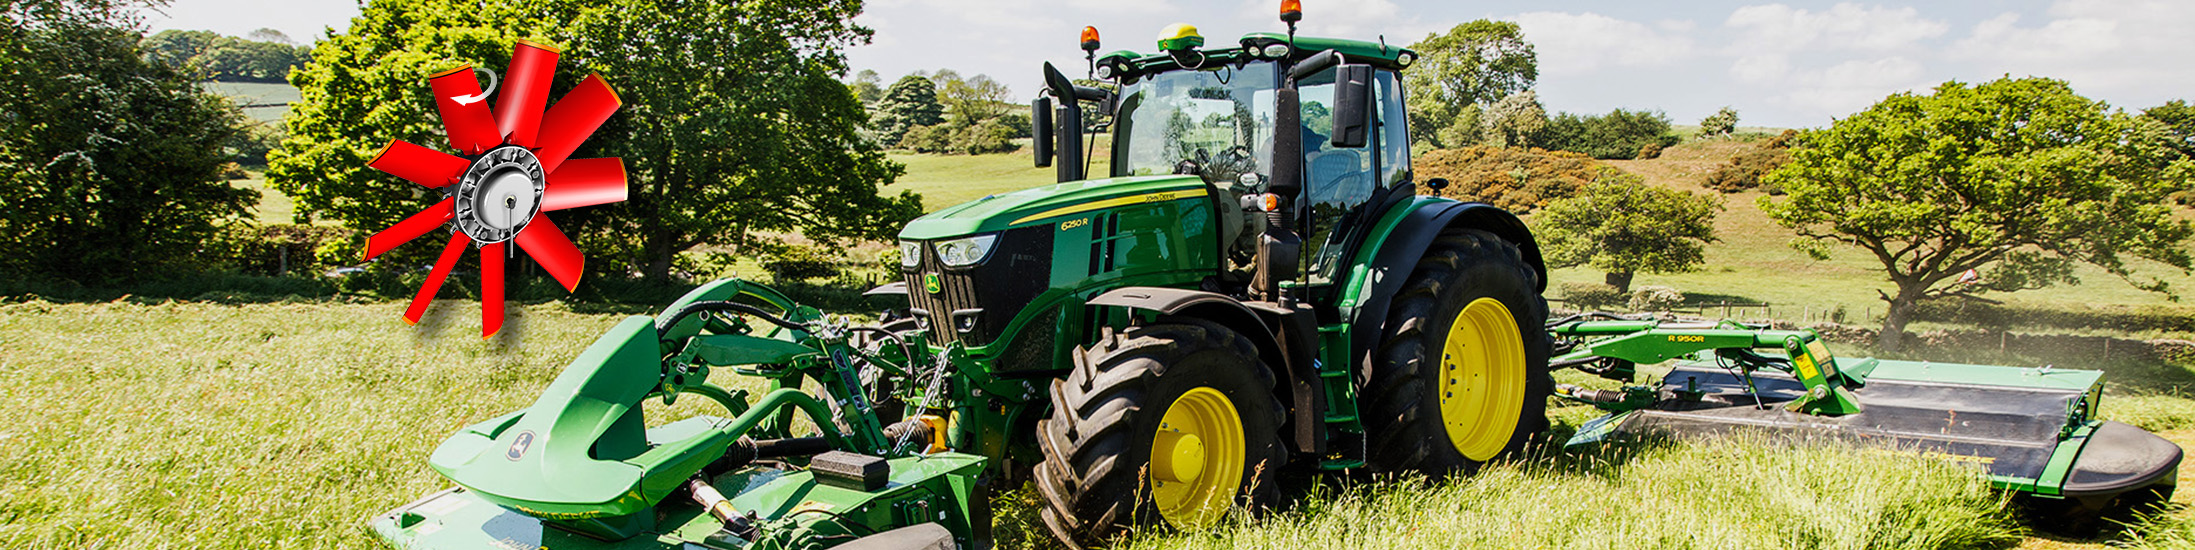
{"x":665,"y":325}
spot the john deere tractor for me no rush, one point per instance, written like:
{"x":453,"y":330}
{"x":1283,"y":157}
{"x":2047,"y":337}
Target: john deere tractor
{"x":1254,"y":288}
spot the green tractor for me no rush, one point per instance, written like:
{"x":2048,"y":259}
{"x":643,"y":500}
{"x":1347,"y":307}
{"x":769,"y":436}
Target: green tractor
{"x":1255,"y":288}
{"x":1254,"y":291}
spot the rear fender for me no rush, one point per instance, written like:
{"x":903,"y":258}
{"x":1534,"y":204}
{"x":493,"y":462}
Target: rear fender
{"x":1401,"y":238}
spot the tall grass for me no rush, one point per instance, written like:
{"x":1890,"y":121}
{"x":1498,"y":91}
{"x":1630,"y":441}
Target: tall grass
{"x":1730,"y":494}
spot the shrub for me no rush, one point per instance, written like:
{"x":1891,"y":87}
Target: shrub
{"x":1783,"y":140}
{"x":1519,"y":180}
{"x":1590,"y":296}
{"x":1722,"y":123}
{"x":1745,"y":170}
{"x":794,"y":263}
{"x":934,"y":138}
{"x":273,"y":249}
{"x":1620,"y":134}
{"x":1649,"y":151}
{"x":1655,"y":298}
{"x":983,"y":138}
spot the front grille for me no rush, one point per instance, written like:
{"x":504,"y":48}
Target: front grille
{"x":1018,"y":269}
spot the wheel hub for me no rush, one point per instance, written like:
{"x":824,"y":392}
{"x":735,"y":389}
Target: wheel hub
{"x":1482,"y":379}
{"x":499,"y":194}
{"x":1197,"y":459}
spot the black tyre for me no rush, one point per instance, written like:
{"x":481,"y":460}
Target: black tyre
{"x":1460,"y":377}
{"x":1188,"y":391}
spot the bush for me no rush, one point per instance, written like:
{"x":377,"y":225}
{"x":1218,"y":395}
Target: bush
{"x":1655,"y":298}
{"x":795,"y":263}
{"x":1590,"y":296}
{"x":1745,"y":170}
{"x":274,"y":249}
{"x":1620,"y":134}
{"x":1722,"y":123}
{"x":1783,"y":140}
{"x":983,"y":138}
{"x":1649,"y":151}
{"x":1519,"y":180}
{"x":935,"y":138}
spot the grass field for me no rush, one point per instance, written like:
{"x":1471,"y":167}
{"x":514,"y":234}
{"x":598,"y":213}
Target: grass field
{"x":193,"y":425}
{"x":272,"y":99}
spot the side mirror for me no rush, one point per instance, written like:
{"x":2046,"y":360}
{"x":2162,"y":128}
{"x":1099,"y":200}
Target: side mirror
{"x":1352,"y":105}
{"x":1040,"y":130}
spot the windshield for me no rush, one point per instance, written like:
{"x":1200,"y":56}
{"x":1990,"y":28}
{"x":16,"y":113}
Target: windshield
{"x":1221,"y":118}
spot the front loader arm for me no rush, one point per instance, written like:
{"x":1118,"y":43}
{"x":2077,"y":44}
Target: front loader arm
{"x":1650,"y":341}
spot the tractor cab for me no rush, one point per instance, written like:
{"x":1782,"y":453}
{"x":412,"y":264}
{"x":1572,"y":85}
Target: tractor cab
{"x":1221,"y":114}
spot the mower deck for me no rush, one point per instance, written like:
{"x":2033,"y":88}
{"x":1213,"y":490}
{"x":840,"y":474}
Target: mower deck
{"x":2031,"y":430}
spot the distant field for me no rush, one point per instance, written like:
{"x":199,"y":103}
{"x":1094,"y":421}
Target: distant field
{"x":255,"y":93}
{"x":946,"y":180}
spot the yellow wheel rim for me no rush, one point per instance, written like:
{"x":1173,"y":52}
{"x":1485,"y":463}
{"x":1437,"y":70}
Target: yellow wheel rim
{"x":1196,"y":459}
{"x":1482,"y":379}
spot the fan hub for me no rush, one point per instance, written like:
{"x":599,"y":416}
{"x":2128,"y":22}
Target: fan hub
{"x":499,"y":194}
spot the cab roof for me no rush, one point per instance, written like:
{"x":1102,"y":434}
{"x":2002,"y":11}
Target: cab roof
{"x":1129,"y":65}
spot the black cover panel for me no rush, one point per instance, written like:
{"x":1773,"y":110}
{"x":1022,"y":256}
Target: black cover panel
{"x":2119,"y":458}
{"x":2011,"y":431}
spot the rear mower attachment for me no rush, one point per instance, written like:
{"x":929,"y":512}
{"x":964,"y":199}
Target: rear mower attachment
{"x":2033,"y":431}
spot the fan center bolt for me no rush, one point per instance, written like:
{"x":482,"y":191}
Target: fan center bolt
{"x":1182,"y":456}
{"x":509,"y":173}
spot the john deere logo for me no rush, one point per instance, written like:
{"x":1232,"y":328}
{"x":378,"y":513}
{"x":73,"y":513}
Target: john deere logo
{"x":518,"y":447}
{"x":929,"y":283}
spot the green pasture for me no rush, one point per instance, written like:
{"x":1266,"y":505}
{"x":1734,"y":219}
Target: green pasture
{"x":285,"y":425}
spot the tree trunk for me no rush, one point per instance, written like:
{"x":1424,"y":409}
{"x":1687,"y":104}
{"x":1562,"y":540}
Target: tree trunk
{"x":659,"y":253}
{"x":1892,"y":336}
{"x":1620,"y":280}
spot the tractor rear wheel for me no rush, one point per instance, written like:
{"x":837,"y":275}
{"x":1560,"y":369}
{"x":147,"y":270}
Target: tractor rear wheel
{"x":1460,"y":376}
{"x":1171,"y":422}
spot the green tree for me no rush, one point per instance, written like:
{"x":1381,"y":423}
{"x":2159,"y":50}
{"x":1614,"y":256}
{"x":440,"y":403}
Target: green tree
{"x":910,"y":102}
{"x":735,"y":121}
{"x":1723,"y":123}
{"x":2015,"y":179}
{"x":1623,"y":226}
{"x":178,"y":47}
{"x":2178,"y":117}
{"x":974,"y":99}
{"x":1513,"y":121}
{"x":867,"y":86}
{"x":1474,"y":63}
{"x":1620,"y":134}
{"x":109,"y":159}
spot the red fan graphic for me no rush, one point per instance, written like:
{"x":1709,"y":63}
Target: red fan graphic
{"x":512,"y":172}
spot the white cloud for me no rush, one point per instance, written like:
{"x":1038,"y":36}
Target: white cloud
{"x":1355,"y":19}
{"x":1577,"y":43}
{"x":2103,"y":47}
{"x":1830,"y":62}
{"x":1781,"y":28}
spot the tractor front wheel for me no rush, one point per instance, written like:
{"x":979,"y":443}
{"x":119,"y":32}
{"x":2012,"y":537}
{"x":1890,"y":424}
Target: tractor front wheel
{"x":1172,"y":422}
{"x":1460,"y":377}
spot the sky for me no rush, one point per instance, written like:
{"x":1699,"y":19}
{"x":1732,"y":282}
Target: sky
{"x":1780,"y":64}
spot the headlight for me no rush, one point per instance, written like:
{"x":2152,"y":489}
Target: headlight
{"x":965,"y":252}
{"x":910,"y":254}
{"x":1276,"y":50}
{"x":1405,"y":59}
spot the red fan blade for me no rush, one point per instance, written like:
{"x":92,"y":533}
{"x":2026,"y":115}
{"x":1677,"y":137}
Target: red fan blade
{"x":410,"y":228}
{"x":464,"y":111}
{"x":491,"y":289}
{"x":525,"y":91}
{"x":554,"y":251}
{"x":585,"y":182}
{"x":572,"y":119}
{"x":419,"y":164}
{"x":441,"y":272}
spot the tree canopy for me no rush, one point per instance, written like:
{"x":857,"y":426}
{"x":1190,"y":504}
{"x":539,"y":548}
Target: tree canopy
{"x":910,"y":102}
{"x":735,"y":122}
{"x":2015,"y":179}
{"x":1474,"y":63}
{"x":267,"y":57}
{"x":109,"y":161}
{"x":1624,"y":226}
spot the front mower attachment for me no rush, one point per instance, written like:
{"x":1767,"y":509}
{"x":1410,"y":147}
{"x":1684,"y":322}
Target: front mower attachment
{"x":2031,"y":430}
{"x":581,"y":468}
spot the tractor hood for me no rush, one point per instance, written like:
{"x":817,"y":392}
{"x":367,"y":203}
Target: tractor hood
{"x":1049,"y":203}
